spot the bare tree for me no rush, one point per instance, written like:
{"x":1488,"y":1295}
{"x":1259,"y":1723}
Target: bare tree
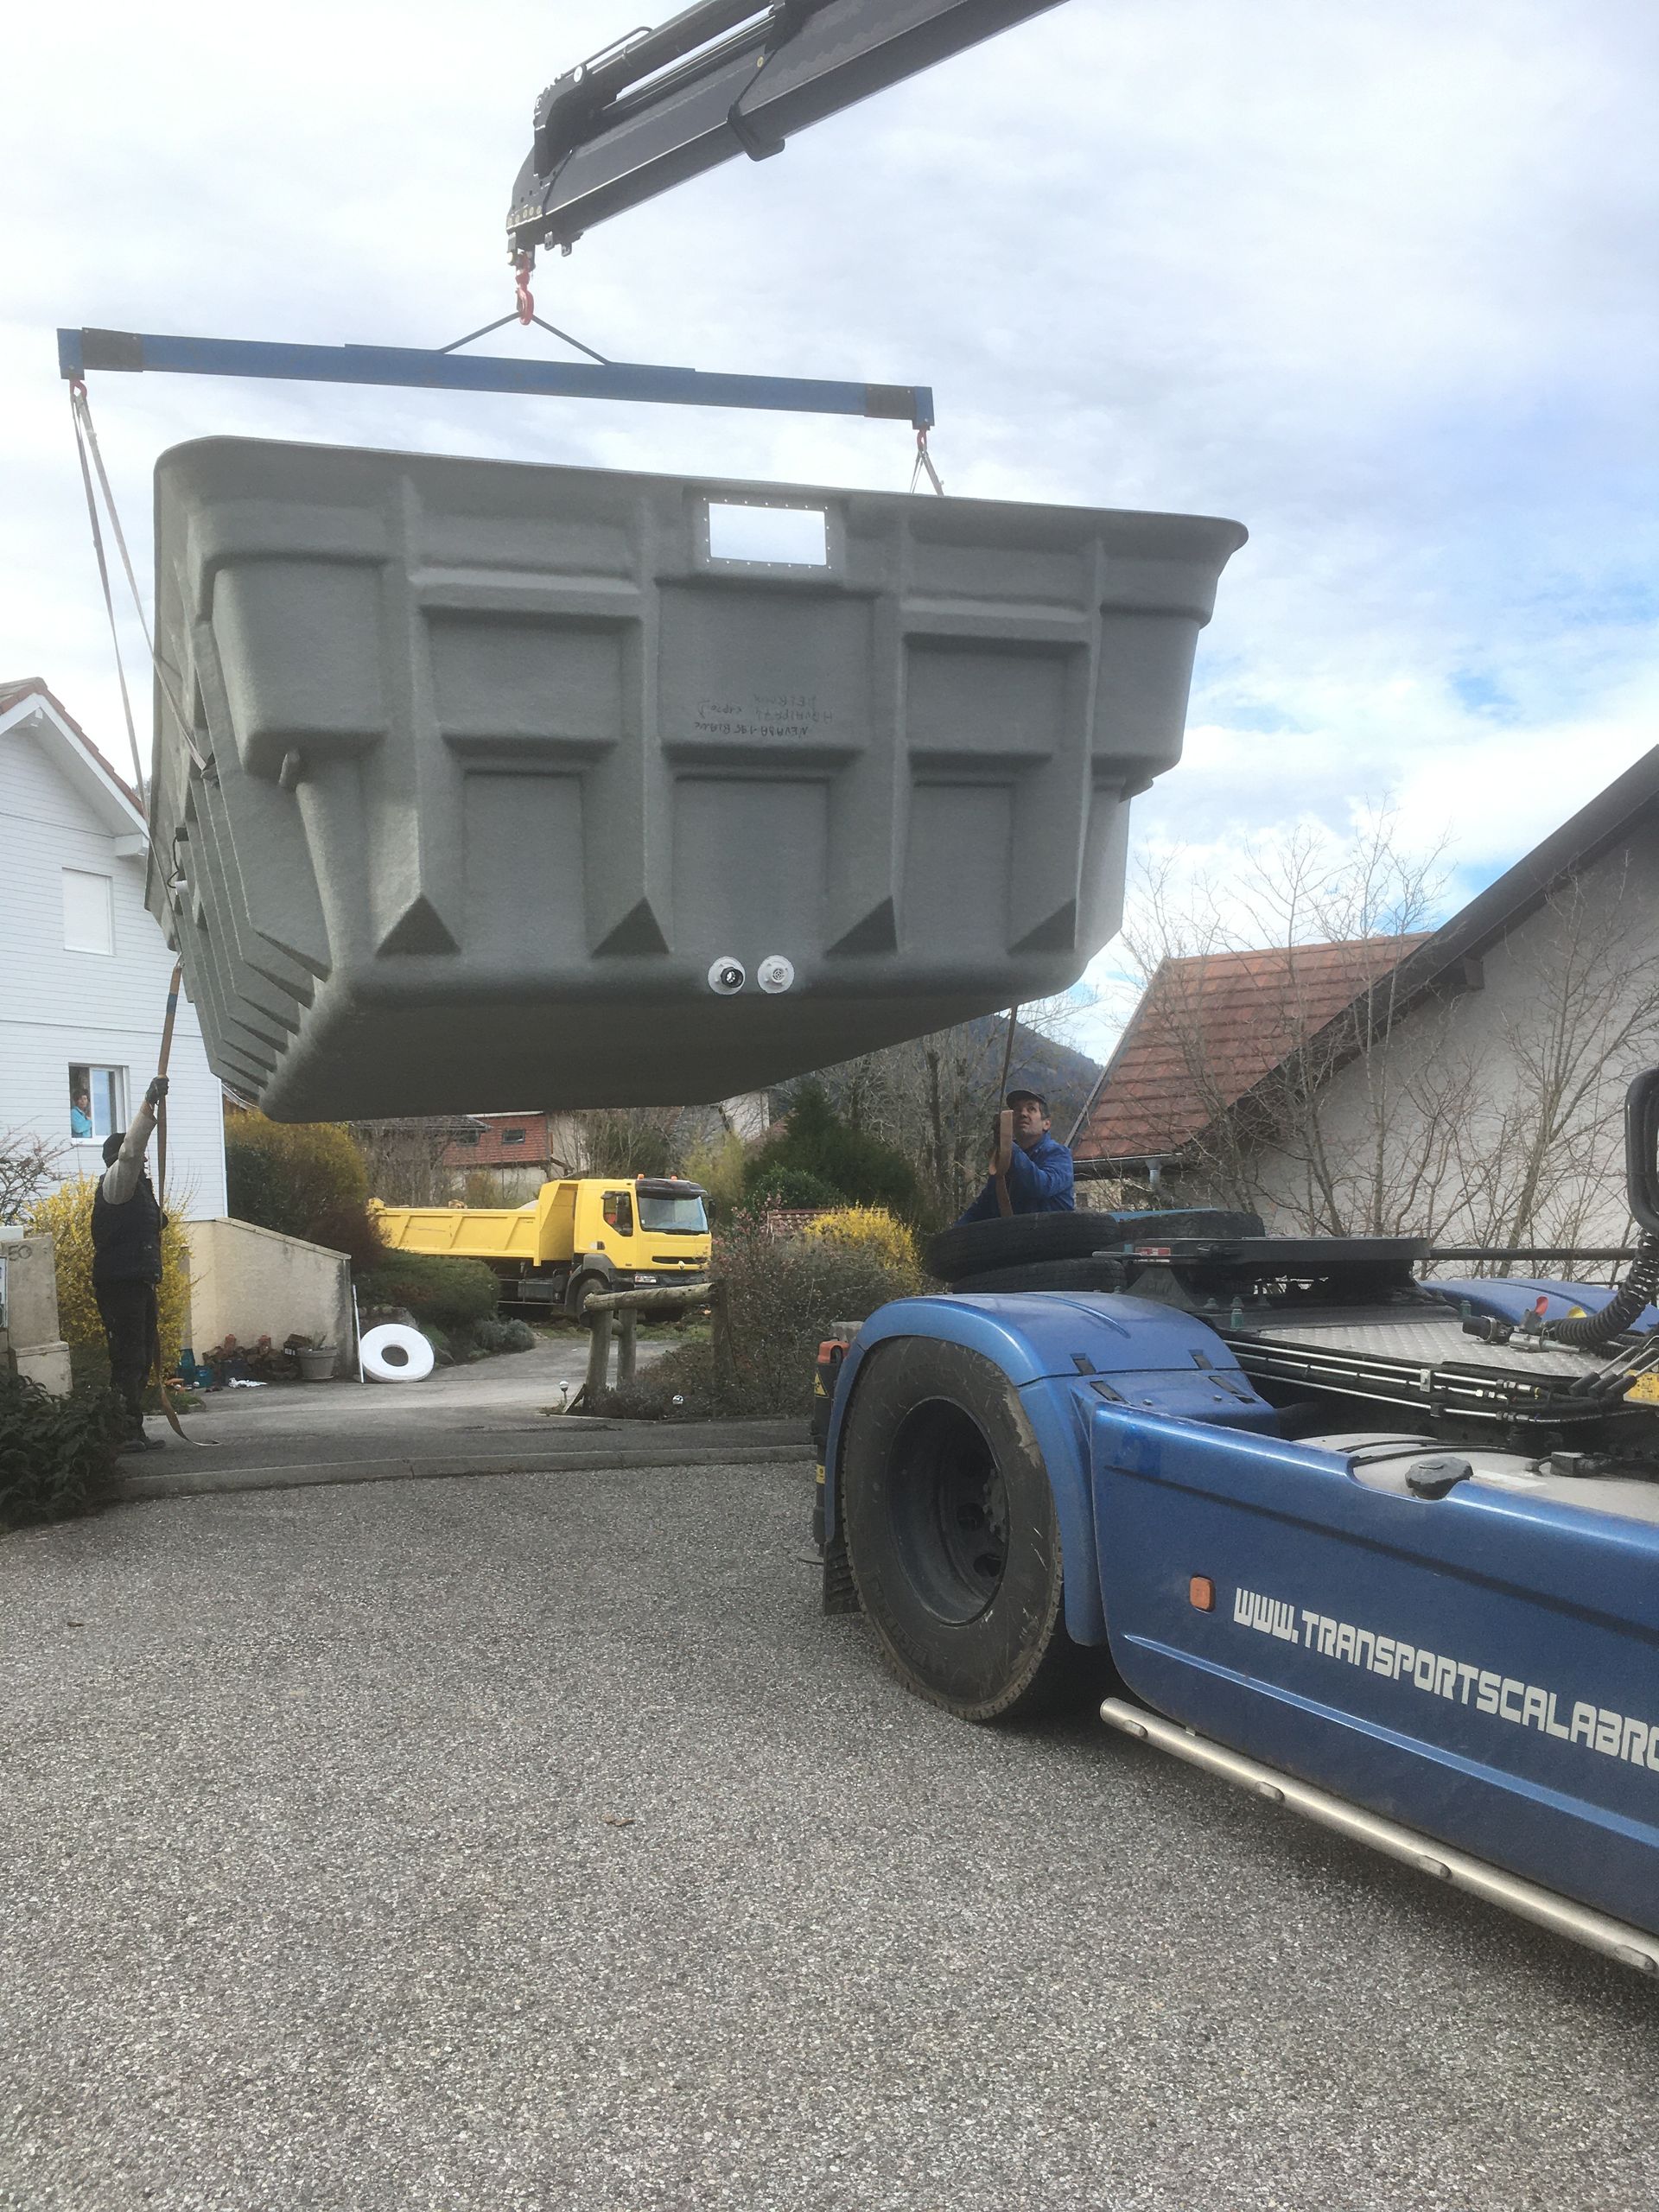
{"x":631,"y":1140}
{"x":1387,"y":1106}
{"x":1272,"y":979}
{"x":405,"y":1159}
{"x":1541,"y":1156}
{"x":933,"y":1099}
{"x":28,"y":1167}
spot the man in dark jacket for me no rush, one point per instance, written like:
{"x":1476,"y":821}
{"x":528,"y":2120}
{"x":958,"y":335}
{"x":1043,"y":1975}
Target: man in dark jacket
{"x":1037,"y":1170}
{"x":127,"y":1263}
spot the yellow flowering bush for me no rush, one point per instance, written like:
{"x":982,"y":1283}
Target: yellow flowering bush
{"x":65,"y":1216}
{"x":874,"y":1229}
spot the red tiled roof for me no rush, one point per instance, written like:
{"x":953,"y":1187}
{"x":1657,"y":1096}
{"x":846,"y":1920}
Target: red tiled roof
{"x":30,"y":687}
{"x":490,"y":1150}
{"x":1208,"y":1029}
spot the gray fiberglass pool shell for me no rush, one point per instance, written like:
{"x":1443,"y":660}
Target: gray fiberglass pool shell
{"x":587,"y":788}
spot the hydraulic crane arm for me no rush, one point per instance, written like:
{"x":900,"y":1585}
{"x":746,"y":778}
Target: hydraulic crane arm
{"x":724,"y":77}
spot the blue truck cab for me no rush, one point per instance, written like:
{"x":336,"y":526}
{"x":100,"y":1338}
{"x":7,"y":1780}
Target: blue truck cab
{"x":1383,"y":1547}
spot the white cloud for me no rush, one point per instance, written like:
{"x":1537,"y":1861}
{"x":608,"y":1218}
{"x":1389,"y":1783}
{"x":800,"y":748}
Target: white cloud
{"x":1379,"y":280}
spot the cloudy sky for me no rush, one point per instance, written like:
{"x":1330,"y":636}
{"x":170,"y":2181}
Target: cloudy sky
{"x":1378,"y":279}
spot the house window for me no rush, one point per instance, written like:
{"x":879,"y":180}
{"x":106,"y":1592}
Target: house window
{"x":467,"y":1136}
{"x":512,"y":1136}
{"x":88,"y":911}
{"x":618,"y":1208}
{"x":98,"y":1102}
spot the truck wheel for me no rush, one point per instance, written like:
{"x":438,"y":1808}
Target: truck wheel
{"x":586,"y":1286}
{"x":952,"y":1536}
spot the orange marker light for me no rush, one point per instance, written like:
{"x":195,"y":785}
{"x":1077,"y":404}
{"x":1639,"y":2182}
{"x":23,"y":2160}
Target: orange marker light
{"x":1202,"y":1592}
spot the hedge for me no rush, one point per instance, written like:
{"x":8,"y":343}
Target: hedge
{"x":433,"y":1286}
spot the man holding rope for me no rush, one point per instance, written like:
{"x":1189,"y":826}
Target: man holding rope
{"x":1031,"y":1171}
{"x":127,"y":1263}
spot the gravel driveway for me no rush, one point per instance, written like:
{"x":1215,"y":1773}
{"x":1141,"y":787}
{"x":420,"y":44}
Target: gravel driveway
{"x":533,"y":1842}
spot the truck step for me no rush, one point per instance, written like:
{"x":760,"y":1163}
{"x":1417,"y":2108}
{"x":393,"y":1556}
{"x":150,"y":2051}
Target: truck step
{"x":1632,"y":1947}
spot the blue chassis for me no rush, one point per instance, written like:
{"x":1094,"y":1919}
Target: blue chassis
{"x":1483,"y":1668}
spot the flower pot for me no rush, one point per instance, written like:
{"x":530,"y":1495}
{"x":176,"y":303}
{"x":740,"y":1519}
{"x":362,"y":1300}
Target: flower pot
{"x":317,"y":1363}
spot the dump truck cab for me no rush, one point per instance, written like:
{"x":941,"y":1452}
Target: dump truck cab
{"x":651,"y":1231}
{"x":578,"y":1235}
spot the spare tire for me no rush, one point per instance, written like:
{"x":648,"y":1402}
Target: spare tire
{"x":1093,"y":1273}
{"x":973,"y":1248}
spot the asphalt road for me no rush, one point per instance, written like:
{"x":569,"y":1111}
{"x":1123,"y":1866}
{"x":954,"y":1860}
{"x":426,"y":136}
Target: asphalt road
{"x":533,"y":1842}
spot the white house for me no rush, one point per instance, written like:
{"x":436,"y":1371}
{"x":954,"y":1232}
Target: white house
{"x":83,"y":967}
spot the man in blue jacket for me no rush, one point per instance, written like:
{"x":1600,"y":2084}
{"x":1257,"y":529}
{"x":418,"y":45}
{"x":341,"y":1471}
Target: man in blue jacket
{"x":1036,"y":1169}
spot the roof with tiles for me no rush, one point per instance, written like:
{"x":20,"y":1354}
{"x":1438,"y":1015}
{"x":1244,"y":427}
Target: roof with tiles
{"x":504,"y":1140}
{"x":19,"y":689}
{"x":1208,"y":1029}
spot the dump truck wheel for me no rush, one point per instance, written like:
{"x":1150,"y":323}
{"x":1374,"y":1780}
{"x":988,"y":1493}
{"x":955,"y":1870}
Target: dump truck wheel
{"x":952,"y":1536}
{"x":586,"y":1286}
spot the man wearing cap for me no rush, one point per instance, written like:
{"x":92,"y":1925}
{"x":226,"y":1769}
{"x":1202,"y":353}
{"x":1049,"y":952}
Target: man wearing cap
{"x":1035,"y":1170}
{"x":127,"y":1263}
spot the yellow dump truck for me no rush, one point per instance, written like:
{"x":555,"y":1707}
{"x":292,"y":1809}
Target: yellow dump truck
{"x":575,"y":1237}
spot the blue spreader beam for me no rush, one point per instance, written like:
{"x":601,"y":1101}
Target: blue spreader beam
{"x":135,"y":352}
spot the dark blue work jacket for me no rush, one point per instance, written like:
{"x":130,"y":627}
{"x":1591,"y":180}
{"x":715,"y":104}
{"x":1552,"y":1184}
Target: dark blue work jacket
{"x":1040,"y":1181}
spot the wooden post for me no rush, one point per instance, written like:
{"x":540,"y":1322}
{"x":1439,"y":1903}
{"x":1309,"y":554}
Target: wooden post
{"x":625,"y":1319}
{"x":599,"y":1353}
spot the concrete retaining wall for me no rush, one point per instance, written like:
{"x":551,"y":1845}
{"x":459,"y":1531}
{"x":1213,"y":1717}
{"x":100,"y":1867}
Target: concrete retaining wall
{"x":247,"y":1282}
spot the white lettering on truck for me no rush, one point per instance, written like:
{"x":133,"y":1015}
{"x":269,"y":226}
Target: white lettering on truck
{"x":1524,"y":1705}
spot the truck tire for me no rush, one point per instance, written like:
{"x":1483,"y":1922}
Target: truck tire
{"x":952,"y":1536}
{"x":1096,"y":1274}
{"x":973,"y":1247}
{"x":582,"y":1291}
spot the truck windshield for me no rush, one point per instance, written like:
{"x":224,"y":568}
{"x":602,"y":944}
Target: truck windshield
{"x":672,"y":1217}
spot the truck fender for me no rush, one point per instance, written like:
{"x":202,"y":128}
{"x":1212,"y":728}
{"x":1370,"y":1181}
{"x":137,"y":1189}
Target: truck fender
{"x":1060,"y":1432}
{"x":586,"y":1263}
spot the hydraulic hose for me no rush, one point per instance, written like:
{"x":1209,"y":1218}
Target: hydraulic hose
{"x":1639,"y":1288}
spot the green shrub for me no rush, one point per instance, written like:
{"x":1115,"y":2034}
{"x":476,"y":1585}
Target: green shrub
{"x":782,"y":1295}
{"x":788,"y":1187}
{"x":433,"y":1286}
{"x":846,"y":1163}
{"x":301,"y":1178}
{"x":493,"y":1335}
{"x":57,"y":1455}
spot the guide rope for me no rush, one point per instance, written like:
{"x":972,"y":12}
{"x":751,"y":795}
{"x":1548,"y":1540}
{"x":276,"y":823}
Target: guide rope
{"x":91,"y":462}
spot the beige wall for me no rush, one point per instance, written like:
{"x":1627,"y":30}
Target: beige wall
{"x":29,"y":1341}
{"x":248,"y":1283}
